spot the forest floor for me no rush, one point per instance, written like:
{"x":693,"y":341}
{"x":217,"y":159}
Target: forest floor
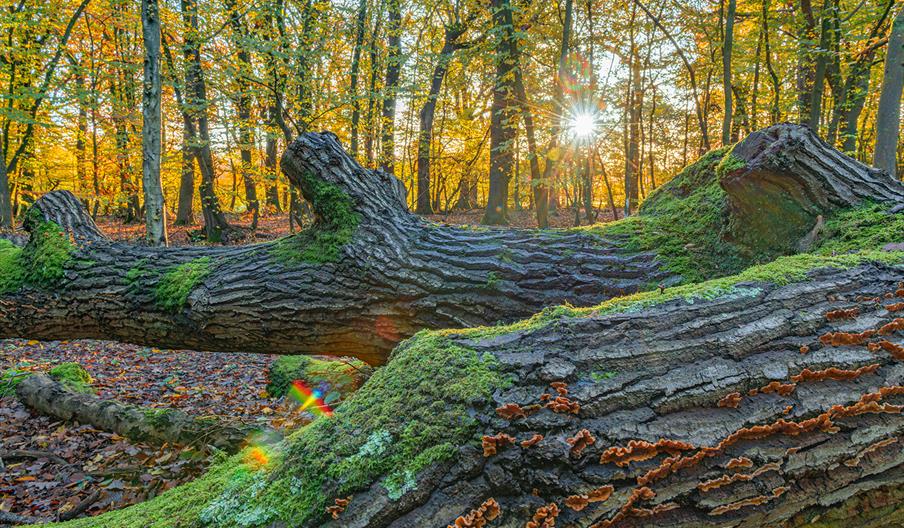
{"x":49,"y":468}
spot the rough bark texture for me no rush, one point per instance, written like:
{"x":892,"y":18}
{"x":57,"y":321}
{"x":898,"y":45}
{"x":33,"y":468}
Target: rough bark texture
{"x":370,"y":273}
{"x":668,"y":373}
{"x":729,"y":404}
{"x":156,"y":426}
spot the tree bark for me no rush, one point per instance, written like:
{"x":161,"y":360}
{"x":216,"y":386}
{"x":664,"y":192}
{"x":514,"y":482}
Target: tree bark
{"x":369,"y":273}
{"x":888,"y":118}
{"x":154,"y":207}
{"x":735,"y":407}
{"x":353,"y":86}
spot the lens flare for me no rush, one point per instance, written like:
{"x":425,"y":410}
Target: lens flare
{"x":310,"y":399}
{"x":582,"y":125}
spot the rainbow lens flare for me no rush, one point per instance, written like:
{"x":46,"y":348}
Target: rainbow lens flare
{"x":310,"y":399}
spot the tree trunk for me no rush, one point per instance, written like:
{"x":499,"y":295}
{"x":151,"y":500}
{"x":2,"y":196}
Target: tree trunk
{"x":353,"y":86}
{"x":888,"y":119}
{"x":215,"y":225}
{"x":243,"y":107}
{"x":728,"y":407}
{"x":155,"y":426}
{"x":502,"y":114}
{"x":391,"y":85}
{"x":425,"y":135}
{"x":369,"y":273}
{"x":154,"y":207}
{"x":727,"y":47}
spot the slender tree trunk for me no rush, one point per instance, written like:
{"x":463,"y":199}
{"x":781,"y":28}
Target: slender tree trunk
{"x":154,"y":207}
{"x":888,"y":120}
{"x":550,"y":171}
{"x":775,"y":109}
{"x":427,"y":113}
{"x":727,"y":46}
{"x":215,"y":225}
{"x":356,"y":62}
{"x":391,"y":85}
{"x":822,"y":59}
{"x":503,"y":114}
{"x":243,"y":107}
{"x":805,"y":59}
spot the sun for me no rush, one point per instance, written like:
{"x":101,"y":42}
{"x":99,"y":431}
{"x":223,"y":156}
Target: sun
{"x":582,"y":125}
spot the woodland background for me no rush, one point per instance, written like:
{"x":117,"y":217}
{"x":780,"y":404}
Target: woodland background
{"x":412,"y":86}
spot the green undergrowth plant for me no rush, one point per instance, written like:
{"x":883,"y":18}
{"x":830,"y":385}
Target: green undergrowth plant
{"x":323,"y":242}
{"x":171,"y":292}
{"x":865,"y":227}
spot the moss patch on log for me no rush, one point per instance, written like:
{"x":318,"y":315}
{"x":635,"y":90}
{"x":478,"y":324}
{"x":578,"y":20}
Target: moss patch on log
{"x":782,"y":271}
{"x":683,"y":221}
{"x":336,"y":224}
{"x":176,"y":284}
{"x":73,"y":376}
{"x":859,"y":228}
{"x":41,"y":263}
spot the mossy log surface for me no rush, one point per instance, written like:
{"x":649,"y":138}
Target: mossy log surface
{"x":370,"y":273}
{"x":156,"y":426}
{"x":734,"y":403}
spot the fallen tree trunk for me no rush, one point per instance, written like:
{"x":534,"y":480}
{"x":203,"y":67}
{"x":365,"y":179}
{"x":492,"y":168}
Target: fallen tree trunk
{"x":736,"y":403}
{"x":155,"y":426}
{"x":370,"y":273}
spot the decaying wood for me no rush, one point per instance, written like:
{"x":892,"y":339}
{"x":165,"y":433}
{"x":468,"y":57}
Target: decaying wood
{"x":398,"y":273}
{"x":155,"y":426}
{"x":664,"y":452}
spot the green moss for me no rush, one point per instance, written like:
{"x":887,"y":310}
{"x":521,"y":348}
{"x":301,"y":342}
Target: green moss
{"x":729,"y":164}
{"x":12,"y":272}
{"x":781,"y":271}
{"x":492,"y":280}
{"x":73,"y":377}
{"x":340,"y":378}
{"x":41,"y":263}
{"x":865,"y":227}
{"x":683,"y":221}
{"x":322,"y":243}
{"x":174,"y":287}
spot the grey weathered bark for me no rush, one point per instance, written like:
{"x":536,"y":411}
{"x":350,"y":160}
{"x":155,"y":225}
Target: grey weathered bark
{"x":156,"y":426}
{"x":346,"y":289}
{"x":687,"y":414}
{"x":154,"y":206}
{"x":888,"y":118}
